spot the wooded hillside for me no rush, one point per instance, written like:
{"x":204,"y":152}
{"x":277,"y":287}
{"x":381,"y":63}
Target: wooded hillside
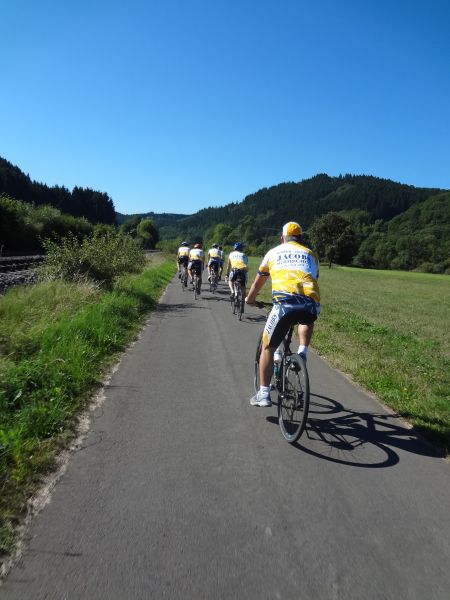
{"x":95,"y":206}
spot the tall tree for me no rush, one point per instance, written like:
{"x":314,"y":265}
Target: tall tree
{"x":334,"y":238}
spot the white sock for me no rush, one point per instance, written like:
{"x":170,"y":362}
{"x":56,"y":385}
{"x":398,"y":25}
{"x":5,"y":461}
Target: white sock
{"x":303,"y":350}
{"x":264,"y":391}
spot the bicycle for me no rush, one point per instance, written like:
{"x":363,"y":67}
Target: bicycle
{"x":184,"y":277}
{"x":196,"y":283}
{"x":237,"y":300}
{"x":291,"y":380}
{"x":214,"y":278}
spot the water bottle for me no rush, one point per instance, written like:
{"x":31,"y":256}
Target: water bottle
{"x":277,"y":362}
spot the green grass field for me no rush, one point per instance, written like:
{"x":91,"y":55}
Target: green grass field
{"x":390,"y":331}
{"x":56,"y":340}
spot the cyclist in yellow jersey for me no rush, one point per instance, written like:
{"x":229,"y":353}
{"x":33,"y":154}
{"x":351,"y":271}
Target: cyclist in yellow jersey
{"x":196,"y":261}
{"x":182,"y":257}
{"x":213,"y":259}
{"x":237,"y":266}
{"x":294,"y":270}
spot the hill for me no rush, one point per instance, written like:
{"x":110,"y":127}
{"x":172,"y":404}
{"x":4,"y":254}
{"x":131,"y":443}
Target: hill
{"x":267,"y":209}
{"x":159,"y":219}
{"x":417,"y":239}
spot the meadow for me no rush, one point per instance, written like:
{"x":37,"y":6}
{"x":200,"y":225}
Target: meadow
{"x":390,"y":330}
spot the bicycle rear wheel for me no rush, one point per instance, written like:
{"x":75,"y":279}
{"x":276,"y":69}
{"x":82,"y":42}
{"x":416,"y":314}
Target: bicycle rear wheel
{"x":195,"y":286}
{"x":213,"y":280}
{"x":293,"y":401}
{"x":240,"y":304}
{"x":234,"y":301}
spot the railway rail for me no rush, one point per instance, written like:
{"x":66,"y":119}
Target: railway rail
{"x":18,"y":270}
{"x":11,"y":264}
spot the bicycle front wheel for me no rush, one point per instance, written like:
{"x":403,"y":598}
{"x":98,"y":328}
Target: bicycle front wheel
{"x":293,"y":401}
{"x":257,"y":357}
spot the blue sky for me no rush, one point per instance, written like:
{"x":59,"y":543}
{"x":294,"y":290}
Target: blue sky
{"x":174,"y":105}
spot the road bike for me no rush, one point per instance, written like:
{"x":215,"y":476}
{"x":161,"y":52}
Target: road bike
{"x":214,"y":280}
{"x":184,"y":277}
{"x":291,"y":381}
{"x":238,"y":299}
{"x":196,"y":283}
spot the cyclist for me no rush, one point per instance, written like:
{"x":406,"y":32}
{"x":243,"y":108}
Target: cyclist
{"x":213,"y":260}
{"x":182,"y":257}
{"x":294,"y":270}
{"x":237,"y":266}
{"x":222,"y":259}
{"x":196,"y":261}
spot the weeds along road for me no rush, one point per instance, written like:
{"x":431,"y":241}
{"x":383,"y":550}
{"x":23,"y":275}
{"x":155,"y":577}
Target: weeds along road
{"x":183,"y":490}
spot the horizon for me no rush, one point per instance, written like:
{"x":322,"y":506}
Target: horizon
{"x":176,"y":108}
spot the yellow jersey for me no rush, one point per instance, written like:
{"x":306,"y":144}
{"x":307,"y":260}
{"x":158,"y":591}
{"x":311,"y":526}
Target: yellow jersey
{"x":294,"y":270}
{"x":196,"y":254}
{"x":214,"y":253}
{"x":238,"y":260}
{"x":183,"y":251}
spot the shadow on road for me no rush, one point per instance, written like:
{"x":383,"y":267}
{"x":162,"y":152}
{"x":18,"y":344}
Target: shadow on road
{"x":179,"y":309}
{"x":357,"y":439}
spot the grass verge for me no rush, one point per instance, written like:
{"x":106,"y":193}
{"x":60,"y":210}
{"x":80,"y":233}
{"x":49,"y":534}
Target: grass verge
{"x":56,"y":341}
{"x":389,"y":330}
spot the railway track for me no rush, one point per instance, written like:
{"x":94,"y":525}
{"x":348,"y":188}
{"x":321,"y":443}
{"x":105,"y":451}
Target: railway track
{"x":12,"y":264}
{"x":18,"y":270}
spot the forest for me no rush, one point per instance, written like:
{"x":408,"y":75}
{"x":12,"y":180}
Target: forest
{"x":357,"y":220}
{"x":354,"y":220}
{"x":95,"y":206}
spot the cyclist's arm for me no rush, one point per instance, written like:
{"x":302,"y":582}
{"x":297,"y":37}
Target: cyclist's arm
{"x":228,"y":267}
{"x":260,"y":280}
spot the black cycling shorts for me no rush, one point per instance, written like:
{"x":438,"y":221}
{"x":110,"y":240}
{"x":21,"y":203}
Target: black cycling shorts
{"x":282,"y":316}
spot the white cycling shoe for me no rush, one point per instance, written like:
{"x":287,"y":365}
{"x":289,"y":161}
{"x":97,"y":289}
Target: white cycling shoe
{"x":258,"y":400}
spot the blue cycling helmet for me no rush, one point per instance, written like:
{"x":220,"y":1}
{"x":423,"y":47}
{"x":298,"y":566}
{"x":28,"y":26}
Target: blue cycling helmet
{"x":184,"y":244}
{"x":238,"y":246}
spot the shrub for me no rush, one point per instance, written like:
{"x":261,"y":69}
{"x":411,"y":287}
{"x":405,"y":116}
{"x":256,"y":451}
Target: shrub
{"x":102,"y":256}
{"x":23,"y":225}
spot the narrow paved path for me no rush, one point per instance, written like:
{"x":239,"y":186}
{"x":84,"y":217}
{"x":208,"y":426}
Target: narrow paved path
{"x":182,"y":490}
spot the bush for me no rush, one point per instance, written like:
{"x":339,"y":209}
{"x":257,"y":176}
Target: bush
{"x":101,"y":257}
{"x":23,"y":225}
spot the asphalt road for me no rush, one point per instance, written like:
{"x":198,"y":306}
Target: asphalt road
{"x":183,"y":490}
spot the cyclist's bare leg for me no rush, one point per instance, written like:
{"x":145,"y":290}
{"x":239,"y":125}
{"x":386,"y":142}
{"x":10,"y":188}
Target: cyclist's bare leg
{"x":266,"y":365}
{"x":305,"y":334}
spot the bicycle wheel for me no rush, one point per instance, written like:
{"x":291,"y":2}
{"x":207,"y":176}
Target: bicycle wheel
{"x":293,"y":401}
{"x":234,"y":301}
{"x":195,"y":286}
{"x":240,"y":304}
{"x":257,"y":356}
